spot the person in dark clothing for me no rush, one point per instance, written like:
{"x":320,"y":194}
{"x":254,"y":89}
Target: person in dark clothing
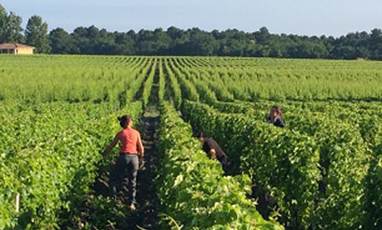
{"x":130,"y":158}
{"x":275,"y":117}
{"x":213,"y":150}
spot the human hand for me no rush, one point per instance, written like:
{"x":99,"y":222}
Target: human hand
{"x":141,"y":163}
{"x":212,"y":153}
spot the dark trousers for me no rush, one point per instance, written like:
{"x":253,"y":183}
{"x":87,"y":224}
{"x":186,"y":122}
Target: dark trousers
{"x":224,"y":162}
{"x":126,"y":165}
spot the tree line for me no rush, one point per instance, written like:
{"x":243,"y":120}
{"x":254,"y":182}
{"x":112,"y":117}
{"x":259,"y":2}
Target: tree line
{"x":194,"y":41}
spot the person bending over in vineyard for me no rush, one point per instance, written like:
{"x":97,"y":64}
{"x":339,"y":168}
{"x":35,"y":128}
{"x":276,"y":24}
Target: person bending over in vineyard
{"x":130,"y":158}
{"x":213,"y":150}
{"x":275,"y":117}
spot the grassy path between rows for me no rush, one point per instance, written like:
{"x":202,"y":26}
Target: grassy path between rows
{"x":148,"y":202}
{"x":99,"y":211}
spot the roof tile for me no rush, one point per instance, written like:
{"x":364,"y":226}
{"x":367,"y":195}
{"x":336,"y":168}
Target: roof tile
{"x":13,"y":46}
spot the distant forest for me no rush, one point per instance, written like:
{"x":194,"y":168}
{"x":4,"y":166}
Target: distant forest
{"x":174,"y":41}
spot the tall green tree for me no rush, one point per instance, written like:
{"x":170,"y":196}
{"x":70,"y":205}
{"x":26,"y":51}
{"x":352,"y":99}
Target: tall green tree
{"x":10,"y":27}
{"x":262,"y":35}
{"x":3,"y":23}
{"x":376,"y":44}
{"x":36,"y":34}
{"x":124,"y":43}
{"x":200,"y":43}
{"x":60,"y":41}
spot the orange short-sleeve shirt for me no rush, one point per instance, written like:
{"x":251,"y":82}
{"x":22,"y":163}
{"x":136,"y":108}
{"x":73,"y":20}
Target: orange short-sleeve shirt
{"x":130,"y":139}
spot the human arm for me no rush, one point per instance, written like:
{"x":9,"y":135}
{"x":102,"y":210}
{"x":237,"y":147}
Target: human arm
{"x":111,"y":146}
{"x":141,"y":150}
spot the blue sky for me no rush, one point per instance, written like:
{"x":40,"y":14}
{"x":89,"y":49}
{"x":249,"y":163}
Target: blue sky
{"x":303,"y":17}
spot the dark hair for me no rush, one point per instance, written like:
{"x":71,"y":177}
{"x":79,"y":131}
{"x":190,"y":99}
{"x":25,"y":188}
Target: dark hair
{"x":200,"y":135}
{"x":124,"y":120}
{"x":275,"y":109}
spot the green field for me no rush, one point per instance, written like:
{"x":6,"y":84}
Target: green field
{"x":323,"y":171}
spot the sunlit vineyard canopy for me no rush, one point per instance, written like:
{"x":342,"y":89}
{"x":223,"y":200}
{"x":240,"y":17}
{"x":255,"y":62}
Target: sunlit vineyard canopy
{"x":322,"y":171}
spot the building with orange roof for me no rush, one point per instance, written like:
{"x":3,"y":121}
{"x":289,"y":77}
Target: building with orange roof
{"x":15,"y":48}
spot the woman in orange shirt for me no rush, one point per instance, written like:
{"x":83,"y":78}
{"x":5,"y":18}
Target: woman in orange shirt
{"x":130,"y":158}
